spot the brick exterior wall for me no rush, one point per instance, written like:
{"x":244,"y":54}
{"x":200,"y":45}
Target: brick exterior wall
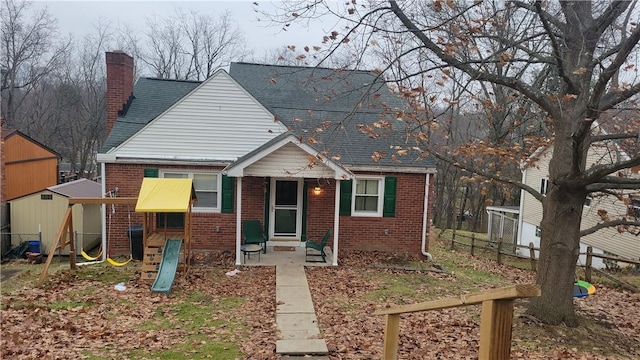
{"x":119,"y":84}
{"x":368,"y":233}
{"x":356,"y":233}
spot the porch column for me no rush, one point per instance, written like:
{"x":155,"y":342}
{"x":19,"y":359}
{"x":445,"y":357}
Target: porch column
{"x":238,"y":219}
{"x":336,"y":224}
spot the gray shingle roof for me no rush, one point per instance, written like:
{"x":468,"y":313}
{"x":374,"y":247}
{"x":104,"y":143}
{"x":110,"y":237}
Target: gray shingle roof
{"x":151,"y":97}
{"x":337,"y":101}
{"x":78,"y":188}
{"x":304,"y":99}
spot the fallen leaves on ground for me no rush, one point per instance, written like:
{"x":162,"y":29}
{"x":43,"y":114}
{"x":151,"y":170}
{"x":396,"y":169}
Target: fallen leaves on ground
{"x":102,"y":321}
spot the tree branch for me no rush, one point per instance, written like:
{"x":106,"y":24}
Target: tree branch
{"x":554,"y":45}
{"x":597,"y":101}
{"x":608,"y":224}
{"x":607,"y":137}
{"x":552,"y":20}
{"x":510,"y":82}
{"x":610,"y":100}
{"x":449,"y":160}
{"x":598,"y":172}
{"x":607,"y":18}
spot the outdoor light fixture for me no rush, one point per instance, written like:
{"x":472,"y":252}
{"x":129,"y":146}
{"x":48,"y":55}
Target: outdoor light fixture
{"x":317,"y":190}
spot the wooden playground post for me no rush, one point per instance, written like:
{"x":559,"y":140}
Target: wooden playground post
{"x":72,"y":246}
{"x":63,"y":227}
{"x":495,"y":320}
{"x":67,"y":226}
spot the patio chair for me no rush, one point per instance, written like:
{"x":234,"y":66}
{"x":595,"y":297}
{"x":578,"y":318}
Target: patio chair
{"x":315,"y":249}
{"x":252,"y":234}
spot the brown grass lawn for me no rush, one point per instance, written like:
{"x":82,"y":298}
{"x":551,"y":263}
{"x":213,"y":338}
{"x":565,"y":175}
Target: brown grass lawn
{"x":210,"y":315}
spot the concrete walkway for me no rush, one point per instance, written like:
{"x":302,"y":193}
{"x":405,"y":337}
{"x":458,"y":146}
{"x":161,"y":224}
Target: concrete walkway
{"x":295,"y":314}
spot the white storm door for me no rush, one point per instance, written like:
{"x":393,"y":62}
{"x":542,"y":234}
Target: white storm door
{"x":286,"y":209}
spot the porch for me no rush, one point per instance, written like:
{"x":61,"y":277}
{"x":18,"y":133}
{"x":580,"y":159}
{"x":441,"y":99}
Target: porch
{"x":280,"y":255}
{"x":278,"y":177}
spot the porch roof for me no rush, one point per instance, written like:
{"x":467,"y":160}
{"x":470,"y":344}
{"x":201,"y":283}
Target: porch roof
{"x":287,"y":156}
{"x":506,"y":209}
{"x":165,"y":195}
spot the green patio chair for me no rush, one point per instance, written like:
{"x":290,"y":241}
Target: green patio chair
{"x":252,"y":234}
{"x":317,"y":249}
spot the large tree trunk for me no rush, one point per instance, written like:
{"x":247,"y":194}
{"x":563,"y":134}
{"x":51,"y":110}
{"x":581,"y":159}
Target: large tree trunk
{"x":559,"y":249}
{"x":560,"y":232}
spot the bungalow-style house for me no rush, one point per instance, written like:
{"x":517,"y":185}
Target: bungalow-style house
{"x":616,"y":241}
{"x":288,"y":146}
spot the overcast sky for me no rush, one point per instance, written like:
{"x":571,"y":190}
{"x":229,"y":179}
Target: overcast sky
{"x":79,"y":17}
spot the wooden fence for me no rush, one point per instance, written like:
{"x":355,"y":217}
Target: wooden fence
{"x":496,"y":319}
{"x":499,"y":248}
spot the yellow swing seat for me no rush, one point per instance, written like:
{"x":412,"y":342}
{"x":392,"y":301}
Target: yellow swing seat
{"x":115,"y":263}
{"x":89,"y":257}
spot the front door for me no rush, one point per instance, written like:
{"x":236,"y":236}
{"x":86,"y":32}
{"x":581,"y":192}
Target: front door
{"x":286,"y":210}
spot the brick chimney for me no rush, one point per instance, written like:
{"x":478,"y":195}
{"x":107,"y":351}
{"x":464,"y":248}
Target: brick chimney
{"x":119,"y":84}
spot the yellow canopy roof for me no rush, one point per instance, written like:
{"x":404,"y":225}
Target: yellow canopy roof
{"x":165,"y":195}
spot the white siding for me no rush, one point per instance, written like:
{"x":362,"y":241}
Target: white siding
{"x":30,"y":213}
{"x":610,"y":240}
{"x":529,"y":233}
{"x":289,"y":161}
{"x":218,"y":121}
{"x":532,"y":208}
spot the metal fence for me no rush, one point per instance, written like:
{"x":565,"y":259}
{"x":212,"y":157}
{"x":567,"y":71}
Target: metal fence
{"x":504,"y":229}
{"x":82,"y":241}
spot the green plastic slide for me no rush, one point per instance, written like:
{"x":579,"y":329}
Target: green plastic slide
{"x":168,"y":266}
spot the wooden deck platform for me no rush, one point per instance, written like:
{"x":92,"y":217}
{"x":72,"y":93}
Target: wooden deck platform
{"x":152,"y":258}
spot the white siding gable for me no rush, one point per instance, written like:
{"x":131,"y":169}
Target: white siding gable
{"x":217,"y":121}
{"x":609,"y":239}
{"x":289,"y":161}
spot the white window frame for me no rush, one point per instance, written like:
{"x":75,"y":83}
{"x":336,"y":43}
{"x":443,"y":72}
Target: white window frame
{"x":190,"y":174}
{"x":544,"y":186}
{"x":377,"y":213}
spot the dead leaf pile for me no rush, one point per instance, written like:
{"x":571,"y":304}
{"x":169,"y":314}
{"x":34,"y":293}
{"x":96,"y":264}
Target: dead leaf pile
{"x":73,"y":316}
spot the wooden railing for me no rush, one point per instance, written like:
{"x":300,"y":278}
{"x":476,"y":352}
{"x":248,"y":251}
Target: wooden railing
{"x":495,"y":320}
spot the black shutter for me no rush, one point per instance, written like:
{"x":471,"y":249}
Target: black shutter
{"x":228,"y":184}
{"x":346,"y":188}
{"x":389,"y":206}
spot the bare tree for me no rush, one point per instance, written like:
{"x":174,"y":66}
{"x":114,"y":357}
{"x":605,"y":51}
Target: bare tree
{"x":558,"y":60}
{"x":191,"y":46}
{"x":65,"y":108}
{"x":30,"y":52}
{"x":211,"y":43}
{"x":85,"y":112}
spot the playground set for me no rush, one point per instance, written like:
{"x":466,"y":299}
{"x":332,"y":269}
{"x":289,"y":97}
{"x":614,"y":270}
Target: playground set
{"x":166,"y":251}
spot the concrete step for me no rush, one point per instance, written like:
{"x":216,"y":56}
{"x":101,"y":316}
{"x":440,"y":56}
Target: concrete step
{"x":302,"y":347}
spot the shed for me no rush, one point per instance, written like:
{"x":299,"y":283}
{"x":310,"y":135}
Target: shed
{"x":29,"y":165}
{"x":42,"y":212}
